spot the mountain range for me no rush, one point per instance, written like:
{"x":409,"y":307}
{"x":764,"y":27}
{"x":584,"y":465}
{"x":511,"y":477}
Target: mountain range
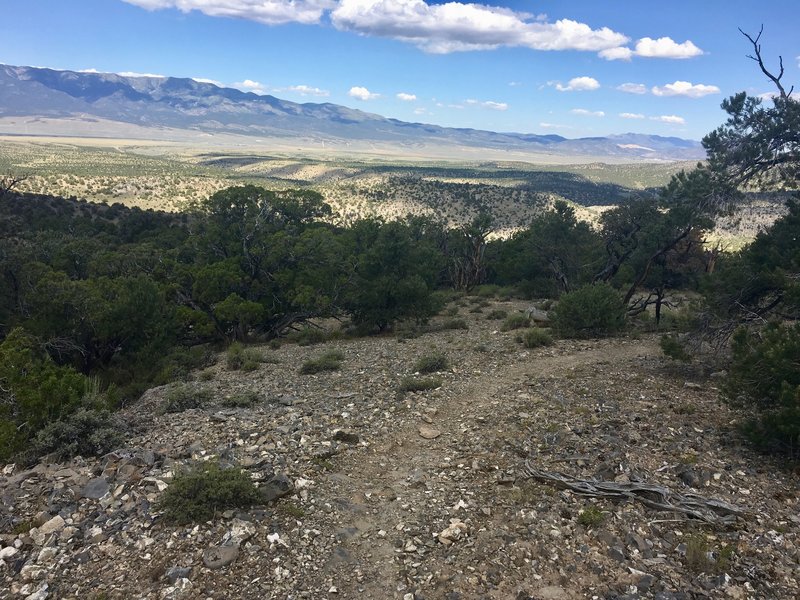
{"x":154,"y":104}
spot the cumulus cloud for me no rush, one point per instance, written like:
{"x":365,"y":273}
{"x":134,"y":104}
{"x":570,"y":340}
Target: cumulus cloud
{"x":578,"y":84}
{"x":671,"y":119}
{"x":633,"y":88}
{"x":685,"y":88}
{"x":305,"y":90}
{"x":268,"y":12}
{"x":406,"y":97}
{"x":362,"y":93}
{"x":488,"y":104}
{"x":666,"y":47}
{"x":619,"y":53}
{"x":587,"y":113}
{"x":631,"y":115}
{"x":248,"y":85}
{"x":457,"y":26}
{"x":420,"y":111}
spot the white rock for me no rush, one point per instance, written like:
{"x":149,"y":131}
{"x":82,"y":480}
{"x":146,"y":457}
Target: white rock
{"x":8,"y":552}
{"x":53,"y":525}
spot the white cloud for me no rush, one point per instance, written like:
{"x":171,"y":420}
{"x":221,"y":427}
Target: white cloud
{"x":122,"y":73}
{"x":578,"y":84}
{"x":211,"y":81}
{"x":685,"y":88}
{"x":420,"y":111}
{"x":456,"y":26}
{"x":488,"y":104}
{"x":631,"y":115}
{"x":514,"y":83}
{"x":633,"y":88}
{"x":619,"y":53}
{"x":672,"y":119}
{"x":406,"y":97}
{"x":135,"y":74}
{"x":362,"y":93}
{"x":306,"y":90}
{"x":268,"y":12}
{"x":666,"y":47}
{"x":587,"y":113}
{"x":248,"y":85}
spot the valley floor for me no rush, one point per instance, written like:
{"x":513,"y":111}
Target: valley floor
{"x":422,"y":495}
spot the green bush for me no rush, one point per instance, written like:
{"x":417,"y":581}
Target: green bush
{"x":330,"y":361}
{"x":239,"y":358}
{"x":242,"y":400}
{"x":431,"y":363}
{"x":535,"y":338}
{"x":183,"y":397}
{"x":451,"y":324}
{"x":34,"y":391}
{"x":764,"y":374}
{"x":497,"y":314}
{"x":591,"y":516}
{"x":86,"y":432}
{"x":515,"y":321}
{"x":419,"y":384}
{"x":672,"y":347}
{"x":591,"y":311}
{"x":204,"y":491}
{"x":308,"y":336}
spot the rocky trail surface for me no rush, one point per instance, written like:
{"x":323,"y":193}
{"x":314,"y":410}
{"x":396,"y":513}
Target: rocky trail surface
{"x":423,"y":495}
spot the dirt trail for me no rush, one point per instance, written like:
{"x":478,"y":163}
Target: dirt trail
{"x":395,"y":481}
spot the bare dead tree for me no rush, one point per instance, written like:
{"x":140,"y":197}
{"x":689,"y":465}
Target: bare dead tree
{"x":9,"y":181}
{"x":776,"y":79}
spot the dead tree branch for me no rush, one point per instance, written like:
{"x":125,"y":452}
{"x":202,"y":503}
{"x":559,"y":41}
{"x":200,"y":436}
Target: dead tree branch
{"x":757,"y":58}
{"x":708,"y":510}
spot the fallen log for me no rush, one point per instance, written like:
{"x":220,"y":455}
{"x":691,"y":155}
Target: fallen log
{"x":708,"y":510}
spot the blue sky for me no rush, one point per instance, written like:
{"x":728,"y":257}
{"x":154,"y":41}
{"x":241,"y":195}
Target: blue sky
{"x":576,"y":68}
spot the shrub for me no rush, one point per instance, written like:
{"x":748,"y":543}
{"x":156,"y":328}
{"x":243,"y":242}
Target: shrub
{"x":497,"y":314}
{"x":764,"y":375}
{"x":535,"y":338}
{"x":672,"y":347}
{"x":330,"y":361}
{"x":240,"y":358}
{"x":86,"y":432}
{"x":308,"y":336}
{"x":515,"y":321}
{"x":419,"y":384}
{"x":242,"y":400}
{"x":451,"y":324}
{"x":431,"y":363}
{"x":591,"y":311}
{"x":591,"y":516}
{"x":183,"y":397}
{"x":204,"y":491}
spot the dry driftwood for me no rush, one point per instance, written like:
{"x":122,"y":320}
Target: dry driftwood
{"x":658,"y":497}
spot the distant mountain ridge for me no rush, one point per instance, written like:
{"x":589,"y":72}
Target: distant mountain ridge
{"x":187,"y":104}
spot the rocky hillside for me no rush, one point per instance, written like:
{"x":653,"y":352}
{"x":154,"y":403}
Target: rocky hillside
{"x":382,"y":494}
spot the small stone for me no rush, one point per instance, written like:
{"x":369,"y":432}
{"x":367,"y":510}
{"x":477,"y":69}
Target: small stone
{"x":8,"y":552}
{"x":551,"y":592}
{"x":95,"y":489}
{"x":220,"y":556}
{"x":429,"y":433}
{"x":55,"y":524}
{"x":277,"y":487}
{"x":346,"y":437}
{"x":173,"y":574}
{"x":240,"y":532}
